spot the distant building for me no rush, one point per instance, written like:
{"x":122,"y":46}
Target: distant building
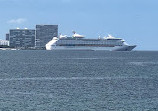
{"x":45,"y":33}
{"x":4,"y":43}
{"x":22,"y":38}
{"x":7,"y":37}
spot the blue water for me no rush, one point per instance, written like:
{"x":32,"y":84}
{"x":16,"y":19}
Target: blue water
{"x":78,"y":81}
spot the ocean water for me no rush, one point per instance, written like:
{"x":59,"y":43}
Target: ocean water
{"x":78,"y":81}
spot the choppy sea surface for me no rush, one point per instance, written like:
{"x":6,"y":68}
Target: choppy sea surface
{"x":78,"y":81}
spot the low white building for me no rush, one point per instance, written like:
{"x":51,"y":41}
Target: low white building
{"x":4,"y":42}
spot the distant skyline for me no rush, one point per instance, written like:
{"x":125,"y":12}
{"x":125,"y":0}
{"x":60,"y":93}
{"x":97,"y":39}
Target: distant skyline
{"x":136,"y":21}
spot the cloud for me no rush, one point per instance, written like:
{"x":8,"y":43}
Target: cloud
{"x":17,"y":21}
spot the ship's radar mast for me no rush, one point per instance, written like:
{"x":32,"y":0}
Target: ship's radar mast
{"x":75,"y":35}
{"x":73,"y":32}
{"x":62,"y":36}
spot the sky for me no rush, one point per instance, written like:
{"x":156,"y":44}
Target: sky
{"x":136,"y":21}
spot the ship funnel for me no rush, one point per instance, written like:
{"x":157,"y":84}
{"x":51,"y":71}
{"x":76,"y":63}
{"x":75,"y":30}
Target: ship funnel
{"x":62,"y":36}
{"x":110,"y":36}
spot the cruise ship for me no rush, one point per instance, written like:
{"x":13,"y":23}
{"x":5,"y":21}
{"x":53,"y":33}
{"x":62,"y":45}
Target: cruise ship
{"x":79,"y":42}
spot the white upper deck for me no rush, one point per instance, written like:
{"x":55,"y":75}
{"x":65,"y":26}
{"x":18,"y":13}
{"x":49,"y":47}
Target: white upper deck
{"x":111,"y":37}
{"x":75,"y":35}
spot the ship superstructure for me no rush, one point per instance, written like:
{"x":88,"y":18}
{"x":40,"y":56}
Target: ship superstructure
{"x":79,"y":42}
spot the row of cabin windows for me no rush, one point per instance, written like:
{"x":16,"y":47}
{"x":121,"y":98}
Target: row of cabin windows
{"x":93,"y":45}
{"x":89,"y":42}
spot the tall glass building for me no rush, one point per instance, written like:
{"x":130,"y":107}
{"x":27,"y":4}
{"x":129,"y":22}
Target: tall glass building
{"x":45,"y":33}
{"x":7,"y":37}
{"x":22,"y":38}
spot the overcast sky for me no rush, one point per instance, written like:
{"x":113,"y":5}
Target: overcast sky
{"x":136,"y":21}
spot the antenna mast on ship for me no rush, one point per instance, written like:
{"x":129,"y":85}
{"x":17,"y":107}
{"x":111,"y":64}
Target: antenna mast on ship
{"x":73,"y":32}
{"x":59,"y":35}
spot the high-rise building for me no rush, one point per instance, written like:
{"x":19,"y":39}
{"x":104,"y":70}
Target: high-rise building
{"x":22,"y":38}
{"x":45,"y":33}
{"x":4,"y":43}
{"x":7,"y":37}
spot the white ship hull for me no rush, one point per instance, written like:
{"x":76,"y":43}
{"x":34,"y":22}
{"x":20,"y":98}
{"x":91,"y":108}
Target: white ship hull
{"x":116,"y":48}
